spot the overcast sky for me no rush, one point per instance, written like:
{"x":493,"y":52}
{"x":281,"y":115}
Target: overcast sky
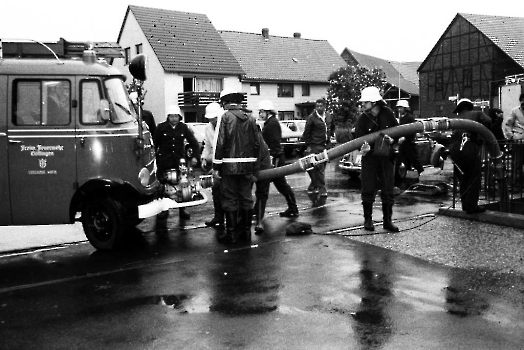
{"x":393,"y":30}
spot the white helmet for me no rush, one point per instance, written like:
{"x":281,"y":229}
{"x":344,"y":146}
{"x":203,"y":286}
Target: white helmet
{"x":370,"y":94}
{"x":403,"y":103}
{"x":463,"y":102}
{"x":231,"y":95}
{"x":174,"y":109}
{"x":266,"y":105}
{"x":213,"y":110}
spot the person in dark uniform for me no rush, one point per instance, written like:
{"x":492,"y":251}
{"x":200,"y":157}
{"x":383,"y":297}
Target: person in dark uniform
{"x":169,"y":143}
{"x":149,"y":119}
{"x":272,"y":134}
{"x":377,"y":170}
{"x":147,"y":116}
{"x":235,"y":164}
{"x":407,"y":152}
{"x":464,"y":150}
{"x":497,"y":116}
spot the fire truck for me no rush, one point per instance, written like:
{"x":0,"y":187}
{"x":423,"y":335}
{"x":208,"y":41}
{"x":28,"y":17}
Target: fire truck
{"x":72,"y":146}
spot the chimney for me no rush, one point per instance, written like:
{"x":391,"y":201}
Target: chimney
{"x":265,"y":33}
{"x":296,"y":35}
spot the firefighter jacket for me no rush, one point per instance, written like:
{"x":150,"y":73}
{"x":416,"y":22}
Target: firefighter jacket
{"x":264,"y":155}
{"x":169,"y":143}
{"x":368,"y":124}
{"x":408,"y":119}
{"x":318,"y":131}
{"x":237,"y":145}
{"x":272,"y":133}
{"x":477,"y":116}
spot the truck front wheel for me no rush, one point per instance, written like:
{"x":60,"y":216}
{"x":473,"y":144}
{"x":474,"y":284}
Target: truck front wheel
{"x":103,"y":219}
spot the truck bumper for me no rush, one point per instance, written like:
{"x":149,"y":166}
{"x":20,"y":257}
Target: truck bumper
{"x":159,"y":205}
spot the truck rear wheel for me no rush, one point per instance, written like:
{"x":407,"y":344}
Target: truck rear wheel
{"x":103,"y":219}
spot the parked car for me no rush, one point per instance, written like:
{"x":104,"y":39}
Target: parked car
{"x":290,"y":140}
{"x":430,"y":153}
{"x":299,"y":125}
{"x":199,"y":130}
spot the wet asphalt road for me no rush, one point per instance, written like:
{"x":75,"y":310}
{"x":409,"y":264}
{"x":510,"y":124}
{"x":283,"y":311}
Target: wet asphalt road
{"x":441,"y":283}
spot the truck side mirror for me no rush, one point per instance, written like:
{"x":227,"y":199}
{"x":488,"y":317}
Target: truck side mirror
{"x":138,"y":67}
{"x":105,"y":111}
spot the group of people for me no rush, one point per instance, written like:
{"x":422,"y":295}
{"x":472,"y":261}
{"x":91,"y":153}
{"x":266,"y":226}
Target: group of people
{"x":464,"y":148}
{"x":236,"y":149}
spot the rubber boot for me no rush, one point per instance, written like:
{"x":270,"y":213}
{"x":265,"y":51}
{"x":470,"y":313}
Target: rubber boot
{"x":387,"y":212}
{"x":292,"y":210}
{"x":228,"y":236}
{"x":261,"y":209}
{"x":368,"y":216}
{"x":184,"y":214}
{"x":246,"y":216}
{"x":218,"y":219}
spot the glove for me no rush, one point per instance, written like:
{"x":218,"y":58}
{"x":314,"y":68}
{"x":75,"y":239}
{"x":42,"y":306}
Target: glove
{"x":365,"y":148}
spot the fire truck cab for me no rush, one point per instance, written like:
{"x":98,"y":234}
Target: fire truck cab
{"x":71,"y":144}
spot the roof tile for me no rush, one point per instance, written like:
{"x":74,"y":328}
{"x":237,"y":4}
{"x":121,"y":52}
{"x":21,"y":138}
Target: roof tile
{"x":185,"y":42}
{"x":402,"y":74}
{"x":505,"y":32}
{"x":283,"y":58}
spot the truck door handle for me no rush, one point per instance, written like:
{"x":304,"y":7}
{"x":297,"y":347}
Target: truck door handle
{"x":16,"y":141}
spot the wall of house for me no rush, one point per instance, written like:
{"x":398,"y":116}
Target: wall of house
{"x":269,"y":91}
{"x":162,"y":88}
{"x":465,"y":63}
{"x":155,"y":98}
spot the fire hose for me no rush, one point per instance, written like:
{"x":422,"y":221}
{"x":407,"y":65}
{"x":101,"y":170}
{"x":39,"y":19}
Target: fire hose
{"x":308,"y":162}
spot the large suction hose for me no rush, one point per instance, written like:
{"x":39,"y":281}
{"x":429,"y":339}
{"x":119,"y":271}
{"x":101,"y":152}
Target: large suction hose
{"x":308,"y":162}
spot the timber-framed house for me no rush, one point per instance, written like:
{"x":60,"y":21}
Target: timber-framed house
{"x":471,"y":60}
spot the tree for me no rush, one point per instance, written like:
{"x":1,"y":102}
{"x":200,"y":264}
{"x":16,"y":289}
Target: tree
{"x":344,"y":89}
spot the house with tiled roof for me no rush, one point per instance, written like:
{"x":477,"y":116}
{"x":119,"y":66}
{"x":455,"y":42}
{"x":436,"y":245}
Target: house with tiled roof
{"x":471,"y":60}
{"x":292,"y":72}
{"x":188,"y":62}
{"x":402,"y":77}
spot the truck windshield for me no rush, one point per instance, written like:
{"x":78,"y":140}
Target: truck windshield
{"x":123,"y":111}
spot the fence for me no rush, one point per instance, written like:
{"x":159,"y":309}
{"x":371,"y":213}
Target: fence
{"x":513,"y":160}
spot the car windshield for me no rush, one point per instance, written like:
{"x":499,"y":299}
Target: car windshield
{"x":285,"y":129}
{"x":300,"y":125}
{"x":199,"y":130}
{"x":121,"y":108}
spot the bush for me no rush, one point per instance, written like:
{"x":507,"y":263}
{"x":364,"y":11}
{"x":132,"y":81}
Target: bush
{"x":342,"y":135}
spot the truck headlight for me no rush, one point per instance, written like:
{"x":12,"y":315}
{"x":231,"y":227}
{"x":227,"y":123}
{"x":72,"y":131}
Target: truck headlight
{"x":143,"y":176}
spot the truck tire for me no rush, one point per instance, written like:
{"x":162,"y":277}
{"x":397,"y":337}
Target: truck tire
{"x":103,"y":220}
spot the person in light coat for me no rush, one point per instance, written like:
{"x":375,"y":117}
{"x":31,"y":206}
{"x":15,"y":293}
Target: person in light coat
{"x":213,"y":112}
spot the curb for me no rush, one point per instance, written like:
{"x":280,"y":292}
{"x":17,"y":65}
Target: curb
{"x":489,"y":216}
